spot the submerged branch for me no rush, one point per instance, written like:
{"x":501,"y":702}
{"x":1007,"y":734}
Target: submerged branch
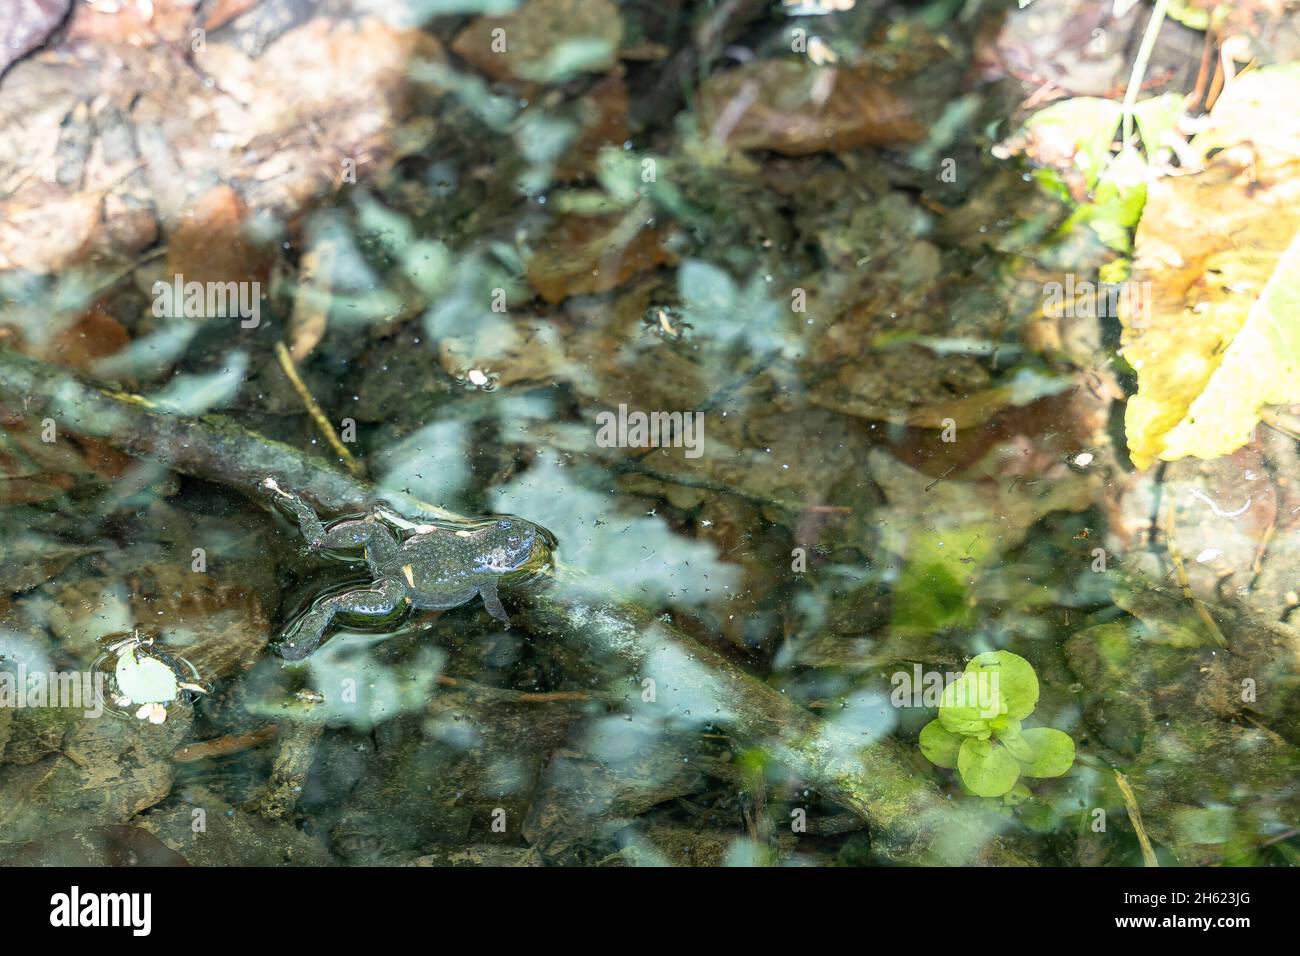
{"x":910,"y":820}
{"x":211,"y":447}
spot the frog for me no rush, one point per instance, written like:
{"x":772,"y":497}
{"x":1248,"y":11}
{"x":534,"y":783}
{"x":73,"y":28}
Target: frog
{"x":431,"y":568}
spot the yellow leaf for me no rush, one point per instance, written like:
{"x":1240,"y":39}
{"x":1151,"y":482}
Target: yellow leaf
{"x":1212,"y":322}
{"x":1261,"y":367}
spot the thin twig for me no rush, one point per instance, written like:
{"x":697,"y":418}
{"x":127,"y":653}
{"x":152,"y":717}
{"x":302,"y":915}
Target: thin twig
{"x":1193,"y":99}
{"x":224,"y":746}
{"x":1135,"y":817}
{"x":517,"y":696}
{"x":314,"y":410}
{"x":1140,"y":68}
{"x":1294,"y":831}
{"x":1287,"y":425}
{"x":1184,"y":582}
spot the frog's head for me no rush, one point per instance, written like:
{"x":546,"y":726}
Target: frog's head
{"x":512,"y":544}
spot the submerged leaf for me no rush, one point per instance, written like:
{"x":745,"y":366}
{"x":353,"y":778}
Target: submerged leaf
{"x":545,"y":41}
{"x":986,"y":767}
{"x":1078,"y":132}
{"x":796,"y":108}
{"x":1218,"y":258}
{"x":1052,"y":752}
{"x":939,"y":745}
{"x":968,"y":706}
{"x":1016,"y":681}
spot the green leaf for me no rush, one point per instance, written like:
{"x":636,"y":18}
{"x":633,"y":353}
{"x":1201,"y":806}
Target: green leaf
{"x":1117,"y":201}
{"x":1017,"y":794}
{"x":1115,"y":272}
{"x":1157,"y":118}
{"x":1006,"y":727}
{"x":967,"y":706}
{"x":1009,"y":736}
{"x":928,"y":598}
{"x":1189,"y":15}
{"x":1086,"y":123}
{"x":931,"y":593}
{"x":1019,"y":748}
{"x":145,"y":680}
{"x":987,"y":768}
{"x":939,"y":745}
{"x":1052,"y":752}
{"x":1015,"y":681}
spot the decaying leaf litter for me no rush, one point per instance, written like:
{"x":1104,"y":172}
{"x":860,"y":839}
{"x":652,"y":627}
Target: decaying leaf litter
{"x":842,"y":237}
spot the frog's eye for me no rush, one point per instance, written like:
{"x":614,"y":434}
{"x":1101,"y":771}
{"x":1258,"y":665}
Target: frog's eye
{"x":503,"y":524}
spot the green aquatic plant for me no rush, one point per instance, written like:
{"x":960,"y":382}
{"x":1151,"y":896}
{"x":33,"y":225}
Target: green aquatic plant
{"x":978,"y":730}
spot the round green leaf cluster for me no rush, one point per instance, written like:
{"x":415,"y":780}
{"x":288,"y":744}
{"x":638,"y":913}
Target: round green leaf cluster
{"x":978,"y":729}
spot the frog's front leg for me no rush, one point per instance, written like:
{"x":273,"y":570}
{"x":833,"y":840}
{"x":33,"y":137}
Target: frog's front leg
{"x":492,"y":601}
{"x":378,"y":600}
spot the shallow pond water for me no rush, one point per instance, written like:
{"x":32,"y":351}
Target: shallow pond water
{"x":718,"y":423}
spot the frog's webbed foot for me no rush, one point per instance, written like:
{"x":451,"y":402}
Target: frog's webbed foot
{"x":492,"y":601}
{"x":379,"y":600}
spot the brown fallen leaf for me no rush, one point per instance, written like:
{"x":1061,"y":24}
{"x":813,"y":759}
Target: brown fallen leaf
{"x":29,"y":559}
{"x":796,"y":108}
{"x":33,"y":470}
{"x":209,"y":245}
{"x":219,"y":627}
{"x":311,"y":303}
{"x":529,"y":43}
{"x":604,"y":123}
{"x":1054,"y":45}
{"x":95,"y":335}
{"x":582,"y":255}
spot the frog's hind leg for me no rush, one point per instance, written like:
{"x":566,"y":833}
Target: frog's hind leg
{"x":309,"y":523}
{"x":378,"y":600}
{"x":492,"y":601}
{"x":366,"y":533}
{"x":380,"y":544}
